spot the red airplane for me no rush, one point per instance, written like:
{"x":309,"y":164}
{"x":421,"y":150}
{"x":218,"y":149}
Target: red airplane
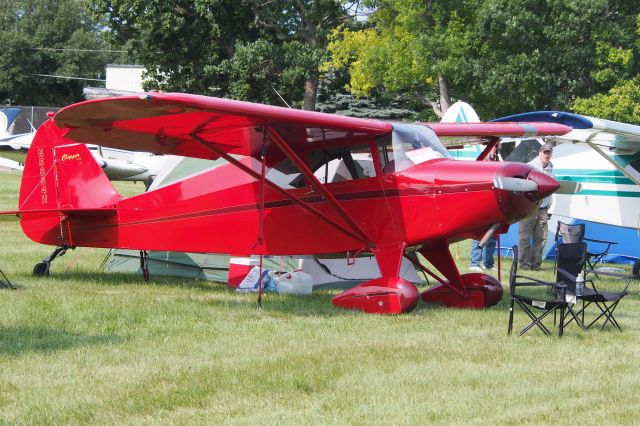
{"x":296,"y":182}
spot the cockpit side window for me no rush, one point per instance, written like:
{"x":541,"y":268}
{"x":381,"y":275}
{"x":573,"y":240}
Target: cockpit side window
{"x":410,"y":144}
{"x":328,"y":165}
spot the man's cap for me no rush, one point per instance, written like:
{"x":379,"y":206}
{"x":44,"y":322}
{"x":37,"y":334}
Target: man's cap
{"x":546,"y":147}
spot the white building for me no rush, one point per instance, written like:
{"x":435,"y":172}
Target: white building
{"x":121,"y":80}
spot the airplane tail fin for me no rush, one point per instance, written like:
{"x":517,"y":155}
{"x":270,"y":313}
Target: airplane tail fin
{"x":7,"y":117}
{"x":61,"y":182}
{"x":460,"y":112}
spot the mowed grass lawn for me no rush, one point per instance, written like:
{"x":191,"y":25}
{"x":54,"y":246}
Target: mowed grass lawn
{"x":88,"y":347}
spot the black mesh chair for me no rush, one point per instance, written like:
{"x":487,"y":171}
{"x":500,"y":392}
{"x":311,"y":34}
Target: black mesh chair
{"x":566,"y":234}
{"x":571,"y":259}
{"x":543,"y":299}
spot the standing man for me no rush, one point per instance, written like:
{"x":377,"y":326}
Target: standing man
{"x":532,"y":231}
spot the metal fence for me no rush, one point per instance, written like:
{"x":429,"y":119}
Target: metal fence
{"x":30,"y":118}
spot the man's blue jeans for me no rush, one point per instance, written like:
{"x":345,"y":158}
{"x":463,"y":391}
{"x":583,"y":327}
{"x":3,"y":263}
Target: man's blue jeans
{"x":477,"y":253}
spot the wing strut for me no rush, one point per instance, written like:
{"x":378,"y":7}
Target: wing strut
{"x":308,"y":174}
{"x":272,"y":185}
{"x":493,"y":141}
{"x":435,"y":277}
{"x":599,"y":150}
{"x":263,"y":168}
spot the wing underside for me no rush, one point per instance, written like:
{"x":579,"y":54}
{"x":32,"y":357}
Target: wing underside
{"x":202,"y":127}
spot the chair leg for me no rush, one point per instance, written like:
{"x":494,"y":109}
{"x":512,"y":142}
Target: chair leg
{"x":607,"y":312}
{"x":510,"y":328}
{"x":574,"y":317}
{"x":537,"y":321}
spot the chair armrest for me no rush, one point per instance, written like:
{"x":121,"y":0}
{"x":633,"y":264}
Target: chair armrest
{"x":610,"y":243}
{"x":533,"y":282}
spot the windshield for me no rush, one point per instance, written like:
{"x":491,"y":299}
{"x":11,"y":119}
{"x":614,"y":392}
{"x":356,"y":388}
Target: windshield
{"x":410,"y":144}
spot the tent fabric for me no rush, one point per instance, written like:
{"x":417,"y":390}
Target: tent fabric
{"x":326,"y":273}
{"x":625,"y":252}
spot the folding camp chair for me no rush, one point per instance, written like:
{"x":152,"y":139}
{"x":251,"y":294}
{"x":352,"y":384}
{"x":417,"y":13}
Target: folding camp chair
{"x":542,"y":303}
{"x":571,"y":259}
{"x":566,"y":234}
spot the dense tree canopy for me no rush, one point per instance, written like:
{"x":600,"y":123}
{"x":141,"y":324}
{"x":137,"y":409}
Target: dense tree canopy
{"x":503,"y":56}
{"x":251,"y":49}
{"x":45,"y":38}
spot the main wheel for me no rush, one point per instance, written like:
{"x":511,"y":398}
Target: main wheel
{"x":41,"y":269}
{"x":636,"y":270}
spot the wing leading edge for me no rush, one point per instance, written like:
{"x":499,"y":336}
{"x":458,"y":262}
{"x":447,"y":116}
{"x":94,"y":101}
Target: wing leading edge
{"x":608,"y":133}
{"x":182,"y":124}
{"x":167,"y":123}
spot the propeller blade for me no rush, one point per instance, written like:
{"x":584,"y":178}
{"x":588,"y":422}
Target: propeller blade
{"x":568,"y":187}
{"x":515,"y":184}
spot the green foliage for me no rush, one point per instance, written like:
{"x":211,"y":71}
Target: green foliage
{"x":621,"y":103}
{"x":250,"y":50}
{"x":503,"y":56}
{"x":351,"y":106}
{"x":30,"y":31}
{"x":181,"y":43}
{"x":301,"y":27}
{"x":617,"y":71}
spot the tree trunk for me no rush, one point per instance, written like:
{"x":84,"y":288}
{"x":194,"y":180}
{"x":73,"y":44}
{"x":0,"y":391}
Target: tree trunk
{"x":310,"y":92}
{"x":445,"y":99}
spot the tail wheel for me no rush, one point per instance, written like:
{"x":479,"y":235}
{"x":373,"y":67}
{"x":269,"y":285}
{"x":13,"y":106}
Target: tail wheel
{"x":41,"y":269}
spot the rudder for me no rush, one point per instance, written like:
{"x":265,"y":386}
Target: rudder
{"x":59,"y":178}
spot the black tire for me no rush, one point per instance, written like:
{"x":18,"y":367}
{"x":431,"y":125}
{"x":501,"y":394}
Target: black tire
{"x":636,"y":270}
{"x":41,"y":269}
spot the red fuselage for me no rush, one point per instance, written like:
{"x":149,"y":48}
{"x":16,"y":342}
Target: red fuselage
{"x":217,"y":211}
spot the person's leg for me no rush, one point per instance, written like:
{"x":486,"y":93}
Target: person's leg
{"x":489,"y":249}
{"x":539,"y":239}
{"x":476,"y":254}
{"x":525,"y":229}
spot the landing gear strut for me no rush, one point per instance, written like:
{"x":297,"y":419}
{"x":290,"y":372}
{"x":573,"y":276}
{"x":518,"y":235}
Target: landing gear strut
{"x":42,"y":268}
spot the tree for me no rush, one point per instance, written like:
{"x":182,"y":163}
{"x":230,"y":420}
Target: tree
{"x":261,"y":51}
{"x":301,"y":27}
{"x":621,"y":103}
{"x":503,"y":56}
{"x":412,"y":47}
{"x":351,"y":106}
{"x":45,"y":38}
{"x":616,"y":69}
{"x":181,"y":43}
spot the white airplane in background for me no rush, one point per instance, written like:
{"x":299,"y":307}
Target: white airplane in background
{"x":601,"y":156}
{"x":118,"y":164}
{"x":6,"y":164}
{"x":7,"y":117}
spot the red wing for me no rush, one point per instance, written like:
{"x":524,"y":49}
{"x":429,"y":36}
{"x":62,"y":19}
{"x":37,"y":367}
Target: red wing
{"x":457,"y":134}
{"x":165,"y":123}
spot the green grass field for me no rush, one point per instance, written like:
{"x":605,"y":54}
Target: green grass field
{"x":87,"y":347}
{"x":11,"y":154}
